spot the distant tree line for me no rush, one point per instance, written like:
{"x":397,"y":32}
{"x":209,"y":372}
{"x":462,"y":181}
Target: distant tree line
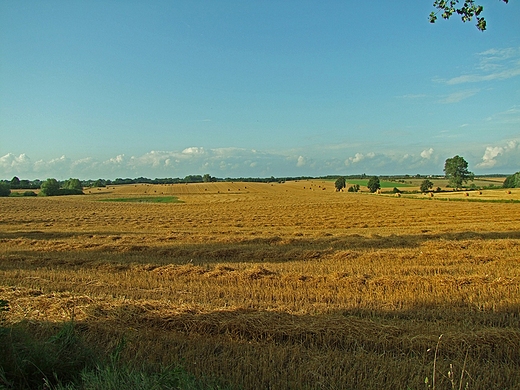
{"x":16,"y":184}
{"x":49,"y":187}
{"x":455,"y":170}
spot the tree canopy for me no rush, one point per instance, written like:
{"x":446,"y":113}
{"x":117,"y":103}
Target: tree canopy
{"x":467,"y":12}
{"x":456,"y":170}
{"x":426,"y":185}
{"x":373,"y":184}
{"x":50,"y":187}
{"x":340,"y":183}
{"x":15,"y":182}
{"x":72,"y":184}
{"x":512,"y":181}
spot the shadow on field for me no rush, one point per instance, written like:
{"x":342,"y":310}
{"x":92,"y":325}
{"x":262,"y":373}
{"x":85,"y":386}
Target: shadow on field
{"x":268,"y":349}
{"x":397,"y":333}
{"x":49,"y":235}
{"x":36,"y":235}
{"x":126,"y":249}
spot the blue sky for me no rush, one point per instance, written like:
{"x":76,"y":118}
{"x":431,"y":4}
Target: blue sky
{"x":106,"y":89}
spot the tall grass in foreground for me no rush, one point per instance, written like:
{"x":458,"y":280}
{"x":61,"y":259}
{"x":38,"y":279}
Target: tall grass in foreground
{"x":59,"y":359}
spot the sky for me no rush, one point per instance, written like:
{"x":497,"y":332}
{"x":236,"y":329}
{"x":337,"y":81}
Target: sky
{"x":108,"y":89}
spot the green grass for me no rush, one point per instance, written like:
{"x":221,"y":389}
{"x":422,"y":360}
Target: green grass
{"x":384,"y":184}
{"x":28,"y":360}
{"x":146,"y":199}
{"x":474,"y":200}
{"x":61,"y":360}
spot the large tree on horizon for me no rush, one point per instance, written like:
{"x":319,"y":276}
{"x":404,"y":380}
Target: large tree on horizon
{"x":456,"y":170}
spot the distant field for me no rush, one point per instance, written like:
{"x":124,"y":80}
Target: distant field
{"x":148,"y":199}
{"x":384,"y":184}
{"x":281,"y":285}
{"x":414,"y":183}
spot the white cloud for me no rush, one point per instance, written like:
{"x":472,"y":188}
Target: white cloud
{"x":427,"y":153}
{"x":193,"y":151}
{"x":494,"y":64}
{"x":475,"y":78}
{"x":301,"y":161}
{"x":490,"y":155}
{"x":510,"y":116}
{"x":496,"y":156}
{"x":236,"y":162}
{"x":456,"y":97}
{"x":358,"y":157}
{"x":118,"y":160}
{"x":413,"y":96}
{"x":57,"y":164}
{"x":14,"y":162}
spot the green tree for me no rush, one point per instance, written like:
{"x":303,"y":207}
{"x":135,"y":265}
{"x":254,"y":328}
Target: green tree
{"x":467,"y":12}
{"x":4,"y":189}
{"x":512,"y":181}
{"x":99,"y":183}
{"x":72,"y":184}
{"x":15,"y":182}
{"x":50,"y":187}
{"x":373,"y":184}
{"x":71,"y":187}
{"x":340,"y":183}
{"x":207,"y":178}
{"x":456,"y":170}
{"x":426,"y":185}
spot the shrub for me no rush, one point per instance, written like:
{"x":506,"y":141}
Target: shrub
{"x":5,"y":190}
{"x":29,"y":362}
{"x":69,"y":191}
{"x":50,"y":187}
{"x":30,"y":193}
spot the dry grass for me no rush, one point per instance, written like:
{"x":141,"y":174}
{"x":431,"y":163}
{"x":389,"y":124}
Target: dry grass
{"x":277,"y":285}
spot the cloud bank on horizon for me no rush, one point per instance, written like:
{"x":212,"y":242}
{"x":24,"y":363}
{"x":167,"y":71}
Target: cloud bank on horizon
{"x":237,"y":162}
{"x":107,"y":90}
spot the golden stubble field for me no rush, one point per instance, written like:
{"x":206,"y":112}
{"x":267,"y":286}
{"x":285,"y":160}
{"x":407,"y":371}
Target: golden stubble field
{"x":277,"y":286}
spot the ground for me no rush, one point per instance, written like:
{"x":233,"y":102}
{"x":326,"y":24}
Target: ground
{"x":278,"y":285}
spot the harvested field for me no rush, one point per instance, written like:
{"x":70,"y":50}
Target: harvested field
{"x":281,"y":286}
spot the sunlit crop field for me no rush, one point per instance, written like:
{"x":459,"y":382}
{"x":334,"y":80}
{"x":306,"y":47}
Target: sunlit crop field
{"x":278,"y":286}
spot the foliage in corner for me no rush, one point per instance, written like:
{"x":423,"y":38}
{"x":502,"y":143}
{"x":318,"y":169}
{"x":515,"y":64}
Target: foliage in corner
{"x":467,"y":12}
